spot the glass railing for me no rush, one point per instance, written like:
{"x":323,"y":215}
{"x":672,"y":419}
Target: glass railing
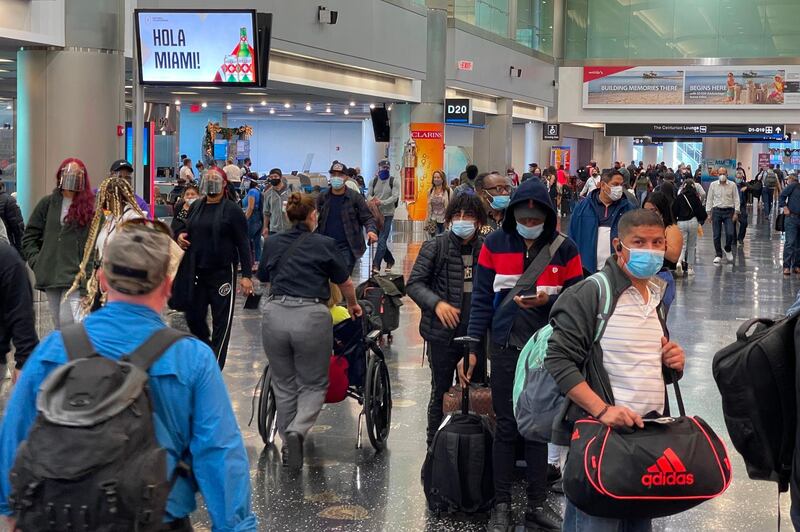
{"x":531,"y":25}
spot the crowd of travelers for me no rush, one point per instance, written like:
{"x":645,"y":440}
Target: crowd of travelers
{"x":108,"y":271}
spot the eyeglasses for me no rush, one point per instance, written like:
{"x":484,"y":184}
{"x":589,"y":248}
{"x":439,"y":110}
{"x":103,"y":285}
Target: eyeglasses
{"x":144,"y":223}
{"x":500,"y":189}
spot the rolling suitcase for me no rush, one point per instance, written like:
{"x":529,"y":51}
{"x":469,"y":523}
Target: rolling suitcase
{"x":457,"y":474}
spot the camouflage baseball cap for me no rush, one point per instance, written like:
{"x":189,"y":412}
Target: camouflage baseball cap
{"x":136,"y":260}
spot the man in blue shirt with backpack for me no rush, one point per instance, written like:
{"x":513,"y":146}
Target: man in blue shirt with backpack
{"x":192,"y":417}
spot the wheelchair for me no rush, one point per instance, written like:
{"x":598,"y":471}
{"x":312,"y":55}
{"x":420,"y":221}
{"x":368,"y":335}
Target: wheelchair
{"x":368,"y":384}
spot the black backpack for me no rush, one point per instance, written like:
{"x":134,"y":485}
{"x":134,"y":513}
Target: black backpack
{"x":457,"y":475}
{"x":91,"y":460}
{"x":384,"y":291}
{"x":756,"y":378}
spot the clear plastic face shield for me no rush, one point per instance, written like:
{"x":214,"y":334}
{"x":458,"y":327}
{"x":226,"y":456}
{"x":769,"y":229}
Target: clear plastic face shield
{"x":72,"y":178}
{"x":211,"y":183}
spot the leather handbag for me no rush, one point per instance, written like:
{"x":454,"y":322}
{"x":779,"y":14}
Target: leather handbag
{"x":480,"y":401}
{"x":780,"y":222}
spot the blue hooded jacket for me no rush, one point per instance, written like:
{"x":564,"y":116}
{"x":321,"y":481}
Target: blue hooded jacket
{"x":583,"y":226}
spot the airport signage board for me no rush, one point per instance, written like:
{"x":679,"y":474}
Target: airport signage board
{"x":211,"y":47}
{"x":551,"y":132}
{"x":458,"y":111}
{"x":706,"y":87}
{"x":765,"y":131}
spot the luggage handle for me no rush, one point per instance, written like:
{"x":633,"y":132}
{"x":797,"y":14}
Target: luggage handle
{"x":741,"y":334}
{"x":467,"y":342}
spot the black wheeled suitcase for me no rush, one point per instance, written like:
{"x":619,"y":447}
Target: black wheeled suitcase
{"x":457,"y":473}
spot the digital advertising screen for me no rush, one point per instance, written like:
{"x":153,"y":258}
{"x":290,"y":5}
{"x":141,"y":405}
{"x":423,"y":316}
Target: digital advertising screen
{"x":197,"y":47}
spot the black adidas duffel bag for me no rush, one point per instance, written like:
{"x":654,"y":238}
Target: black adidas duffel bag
{"x":669,"y":466}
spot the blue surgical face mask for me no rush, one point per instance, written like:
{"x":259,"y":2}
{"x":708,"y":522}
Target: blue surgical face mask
{"x":337,"y":182}
{"x":530,"y":233}
{"x":644,"y":263}
{"x":383,"y":174}
{"x":499,"y":203}
{"x":463,"y":228}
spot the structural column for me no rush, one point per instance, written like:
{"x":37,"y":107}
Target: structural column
{"x":533,"y":144}
{"x":71,"y":100}
{"x":492,"y":144}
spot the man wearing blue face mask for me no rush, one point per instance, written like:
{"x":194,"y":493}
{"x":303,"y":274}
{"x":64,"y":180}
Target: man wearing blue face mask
{"x":522,"y":269}
{"x":384,"y":193}
{"x":344,"y":216}
{"x":494,"y":190}
{"x":636,"y":357}
{"x":595,"y":222}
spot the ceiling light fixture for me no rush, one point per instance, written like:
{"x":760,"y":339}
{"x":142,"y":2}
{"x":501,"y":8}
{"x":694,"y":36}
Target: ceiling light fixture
{"x":327,"y":109}
{"x":228,"y":107}
{"x":183,"y":92}
{"x":3,"y":60}
{"x":9,"y":107}
{"x":204,"y":105}
{"x":272,"y":111}
{"x":177,"y":102}
{"x":372,"y":106}
{"x":347,"y":111}
{"x":389,"y":108}
{"x":352,"y":104}
{"x":251,"y":109}
{"x":263,"y":102}
{"x":287,"y":105}
{"x":308,"y":107}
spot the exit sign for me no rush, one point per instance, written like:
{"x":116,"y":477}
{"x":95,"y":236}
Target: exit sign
{"x":465,"y":65}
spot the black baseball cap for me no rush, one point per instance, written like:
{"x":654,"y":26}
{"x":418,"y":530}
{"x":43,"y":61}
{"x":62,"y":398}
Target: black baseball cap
{"x":121,"y":164}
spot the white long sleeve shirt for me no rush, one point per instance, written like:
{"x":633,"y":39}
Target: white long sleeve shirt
{"x":722,"y":196}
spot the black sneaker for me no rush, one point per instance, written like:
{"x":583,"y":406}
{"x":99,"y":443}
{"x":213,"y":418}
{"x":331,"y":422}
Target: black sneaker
{"x":293,"y":447}
{"x":553,"y":474}
{"x":543,"y":518}
{"x":554,"y":479}
{"x":501,"y":519}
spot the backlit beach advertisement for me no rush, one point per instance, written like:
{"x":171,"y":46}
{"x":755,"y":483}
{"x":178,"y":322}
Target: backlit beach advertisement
{"x":691,"y":86}
{"x":626,"y":86}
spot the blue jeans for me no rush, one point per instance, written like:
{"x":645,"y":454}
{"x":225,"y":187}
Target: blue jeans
{"x":720,"y":217}
{"x":382,"y":252}
{"x":348,"y":259}
{"x":767,"y":194}
{"x":254,"y":226}
{"x":791,"y":247}
{"x":577,"y":521}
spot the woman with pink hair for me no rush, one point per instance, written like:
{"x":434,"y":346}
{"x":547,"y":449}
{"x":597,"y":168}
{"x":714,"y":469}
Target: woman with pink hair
{"x":55,"y":237}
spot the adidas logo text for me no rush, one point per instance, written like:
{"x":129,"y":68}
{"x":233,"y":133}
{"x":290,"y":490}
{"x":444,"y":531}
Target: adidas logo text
{"x":667,"y":471}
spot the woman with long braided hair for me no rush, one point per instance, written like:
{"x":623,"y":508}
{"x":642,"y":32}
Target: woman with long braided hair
{"x":116,"y":203}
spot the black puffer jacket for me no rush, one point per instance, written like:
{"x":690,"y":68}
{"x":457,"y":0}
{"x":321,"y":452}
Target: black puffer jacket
{"x":430,"y":283}
{"x":11,"y":215}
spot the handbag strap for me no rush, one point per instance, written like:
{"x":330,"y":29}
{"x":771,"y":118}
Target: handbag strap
{"x":290,"y":251}
{"x":678,"y":397}
{"x":535,"y":270}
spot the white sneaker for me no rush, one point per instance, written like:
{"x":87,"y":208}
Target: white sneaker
{"x":717,"y":260}
{"x":729,"y":256}
{"x":689,"y":271}
{"x":679,"y":268}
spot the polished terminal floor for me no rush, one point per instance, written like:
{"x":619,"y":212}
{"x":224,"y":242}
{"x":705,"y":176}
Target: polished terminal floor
{"x":345,"y":489}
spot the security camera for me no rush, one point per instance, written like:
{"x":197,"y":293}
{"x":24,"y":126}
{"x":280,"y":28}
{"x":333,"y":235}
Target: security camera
{"x":326,"y":16}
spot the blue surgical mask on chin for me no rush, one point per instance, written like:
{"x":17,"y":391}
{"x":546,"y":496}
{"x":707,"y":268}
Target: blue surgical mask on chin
{"x":530,"y":233}
{"x":463,"y":228}
{"x":644,"y":263}
{"x":500,"y":203}
{"x":337,"y":182}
